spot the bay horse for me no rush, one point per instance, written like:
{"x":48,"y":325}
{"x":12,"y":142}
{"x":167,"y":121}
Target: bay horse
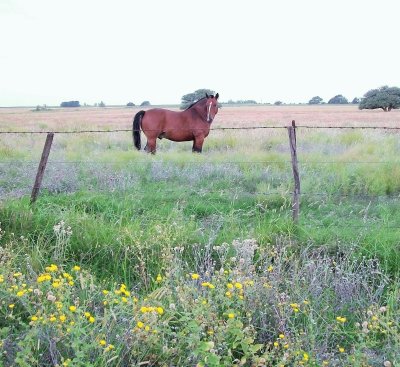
{"x":192,"y":124}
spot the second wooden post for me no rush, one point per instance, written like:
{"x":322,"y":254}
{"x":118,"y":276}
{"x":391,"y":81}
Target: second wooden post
{"x":295,"y":169}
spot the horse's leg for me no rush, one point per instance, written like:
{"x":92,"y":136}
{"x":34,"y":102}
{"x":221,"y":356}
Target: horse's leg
{"x":151,"y":145}
{"x":198,"y":144}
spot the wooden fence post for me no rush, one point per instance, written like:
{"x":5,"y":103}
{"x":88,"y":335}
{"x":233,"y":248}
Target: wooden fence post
{"x":295,"y":169}
{"x":42,"y":167}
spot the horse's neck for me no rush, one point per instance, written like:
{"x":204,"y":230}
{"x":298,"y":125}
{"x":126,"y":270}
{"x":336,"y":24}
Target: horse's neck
{"x":199,"y":111}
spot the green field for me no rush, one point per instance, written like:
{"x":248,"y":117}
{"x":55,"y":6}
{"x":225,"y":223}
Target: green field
{"x":199,"y":255}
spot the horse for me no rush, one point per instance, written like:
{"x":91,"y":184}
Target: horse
{"x":192,"y":124}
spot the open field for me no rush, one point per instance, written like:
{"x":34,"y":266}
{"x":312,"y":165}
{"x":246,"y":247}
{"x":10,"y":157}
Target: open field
{"x":181,"y":259}
{"x":115,"y":117}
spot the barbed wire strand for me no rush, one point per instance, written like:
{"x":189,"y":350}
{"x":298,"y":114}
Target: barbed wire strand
{"x":212,"y":129}
{"x":130,"y":163}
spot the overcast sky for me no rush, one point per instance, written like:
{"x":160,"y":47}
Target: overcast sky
{"x":158,"y":50}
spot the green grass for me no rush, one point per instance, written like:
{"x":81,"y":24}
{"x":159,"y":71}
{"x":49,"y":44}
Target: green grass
{"x":115,"y":197}
{"x":133,"y":216}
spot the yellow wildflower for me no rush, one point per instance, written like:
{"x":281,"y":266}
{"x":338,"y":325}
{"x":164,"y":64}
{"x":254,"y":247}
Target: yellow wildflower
{"x":34,"y":318}
{"x":1,"y":279}
{"x":91,"y":319}
{"x":195,"y":276}
{"x":52,"y":268}
{"x":295,"y":307}
{"x":11,"y":306}
{"x":76,"y":268}
{"x":305,"y":357}
{"x":140,"y":324}
{"x":102,"y":342}
{"x":281,"y":336}
{"x":341,"y":319}
{"x":160,"y":310}
{"x":63,"y":318}
{"x":159,"y":278}
{"x":270,"y":268}
{"x":109,"y":347}
{"x":43,"y":277}
{"x":238,"y":285}
{"x":72,"y":308}
{"x":231,"y":315}
{"x":341,"y":349}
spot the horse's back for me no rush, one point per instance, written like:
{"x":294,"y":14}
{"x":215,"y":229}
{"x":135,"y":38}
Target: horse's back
{"x":158,"y":120}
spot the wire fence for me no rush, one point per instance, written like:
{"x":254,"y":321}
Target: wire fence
{"x":281,"y":191}
{"x":310,"y":127}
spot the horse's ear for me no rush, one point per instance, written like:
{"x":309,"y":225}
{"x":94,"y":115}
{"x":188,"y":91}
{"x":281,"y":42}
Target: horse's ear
{"x":207,"y":95}
{"x":216,"y":96}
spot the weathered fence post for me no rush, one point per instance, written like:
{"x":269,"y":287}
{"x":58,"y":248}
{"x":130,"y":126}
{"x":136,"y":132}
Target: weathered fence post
{"x":42,"y":167}
{"x":295,"y":169}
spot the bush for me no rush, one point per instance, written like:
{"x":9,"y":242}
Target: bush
{"x":70,"y":104}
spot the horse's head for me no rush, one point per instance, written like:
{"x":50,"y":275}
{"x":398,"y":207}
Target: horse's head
{"x":211,"y":107}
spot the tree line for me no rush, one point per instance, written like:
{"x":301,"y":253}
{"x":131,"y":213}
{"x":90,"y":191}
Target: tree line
{"x":386,"y":98}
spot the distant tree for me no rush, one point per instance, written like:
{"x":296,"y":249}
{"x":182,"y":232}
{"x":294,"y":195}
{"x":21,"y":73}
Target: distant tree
{"x":101,"y":104}
{"x":70,"y":104}
{"x":145,"y":103}
{"x":355,"y":100}
{"x":338,"y":99}
{"x":387,"y":98}
{"x":315,"y":100}
{"x":278,"y":103}
{"x":190,"y":98}
{"x":130,"y":104}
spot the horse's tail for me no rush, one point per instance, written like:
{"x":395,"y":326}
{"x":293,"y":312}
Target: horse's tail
{"x":137,"y":122}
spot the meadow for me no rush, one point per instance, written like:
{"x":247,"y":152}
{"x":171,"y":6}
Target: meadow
{"x":181,"y":259}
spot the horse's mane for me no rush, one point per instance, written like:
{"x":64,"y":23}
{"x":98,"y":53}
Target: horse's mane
{"x":197,"y":102}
